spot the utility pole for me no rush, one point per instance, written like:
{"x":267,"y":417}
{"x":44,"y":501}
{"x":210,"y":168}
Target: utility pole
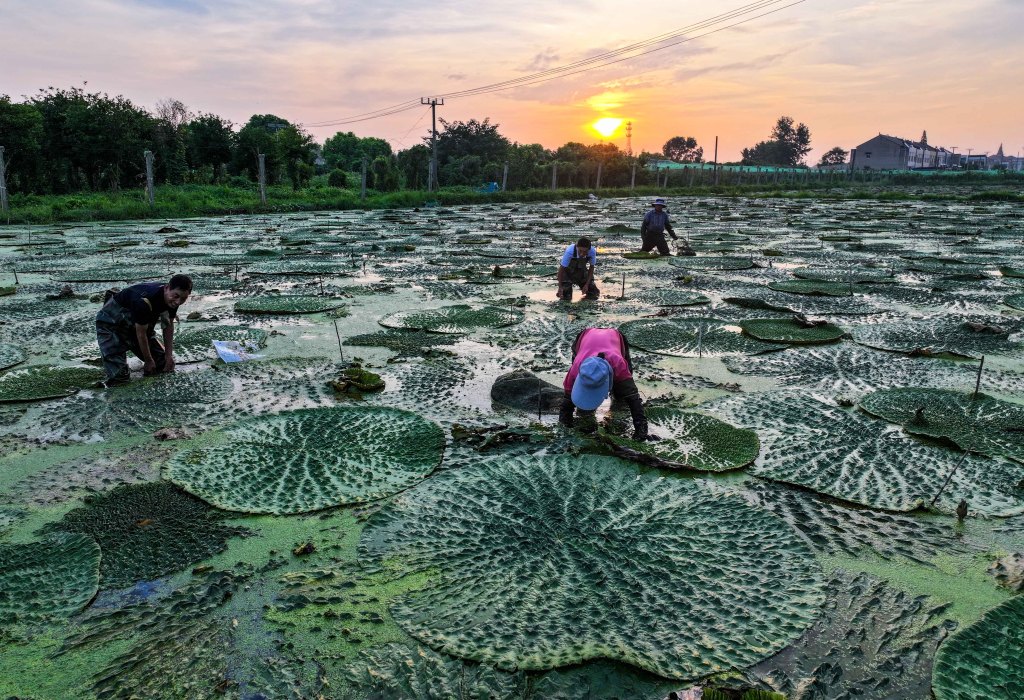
{"x":600,"y":165}
{"x":629,"y":139}
{"x":554,"y":175}
{"x":362,"y":186}
{"x":433,"y":102}
{"x":632,"y":177}
{"x":4,"y":206}
{"x":504,"y":177}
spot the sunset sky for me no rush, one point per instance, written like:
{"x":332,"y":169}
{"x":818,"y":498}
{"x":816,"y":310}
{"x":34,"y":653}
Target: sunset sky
{"x":847,"y":68}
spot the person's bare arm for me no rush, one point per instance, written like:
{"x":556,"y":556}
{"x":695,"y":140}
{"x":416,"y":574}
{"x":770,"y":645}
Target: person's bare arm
{"x":169,"y":347}
{"x":142,"y":335}
{"x":561,"y":279}
{"x":590,"y":278}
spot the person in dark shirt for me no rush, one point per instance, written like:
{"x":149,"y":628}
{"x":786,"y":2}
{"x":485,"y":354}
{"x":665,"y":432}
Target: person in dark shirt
{"x":128,"y":321}
{"x":653,"y":228}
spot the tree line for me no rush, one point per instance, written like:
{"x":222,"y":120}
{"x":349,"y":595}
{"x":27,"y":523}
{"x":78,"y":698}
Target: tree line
{"x":70,"y":140}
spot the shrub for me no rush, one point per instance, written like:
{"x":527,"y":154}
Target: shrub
{"x":337,"y":178}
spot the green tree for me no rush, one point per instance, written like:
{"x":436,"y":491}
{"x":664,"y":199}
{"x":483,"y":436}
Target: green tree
{"x":209,"y":143}
{"x":297,"y":150}
{"x":22,"y":129}
{"x":836,"y":156}
{"x":683,"y":149}
{"x":788,"y":145}
{"x":414,"y":165}
{"x":527,"y":166}
{"x":477,"y":139}
{"x":259,"y":136}
{"x":345,"y":150}
{"x":385,"y":175}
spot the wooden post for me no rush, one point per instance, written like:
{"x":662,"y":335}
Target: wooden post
{"x":149,"y":178}
{"x":632,"y":178}
{"x":600,"y":166}
{"x":977,"y":384}
{"x":623,"y":284}
{"x":262,"y":160}
{"x":362,"y":186}
{"x":950,"y":476}
{"x":338,"y":335}
{"x":554,"y":175}
{"x":4,"y":206}
{"x":716,"y":160}
{"x":504,"y":177}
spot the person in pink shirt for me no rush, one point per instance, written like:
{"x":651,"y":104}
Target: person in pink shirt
{"x":601,"y":366}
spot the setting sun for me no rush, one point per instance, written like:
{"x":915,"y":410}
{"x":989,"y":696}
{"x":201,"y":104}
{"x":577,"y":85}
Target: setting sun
{"x":606,"y":126}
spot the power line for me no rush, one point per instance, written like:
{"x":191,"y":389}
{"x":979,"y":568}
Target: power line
{"x":594,"y":62}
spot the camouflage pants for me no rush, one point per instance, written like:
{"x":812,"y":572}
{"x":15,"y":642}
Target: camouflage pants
{"x":115,"y":334}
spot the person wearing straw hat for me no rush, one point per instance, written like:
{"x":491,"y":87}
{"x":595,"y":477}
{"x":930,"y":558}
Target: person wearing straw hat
{"x":652,"y":230}
{"x":601,"y":365}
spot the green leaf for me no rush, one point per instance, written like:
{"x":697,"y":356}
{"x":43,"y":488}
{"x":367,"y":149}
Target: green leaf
{"x":845,"y":276}
{"x":813,"y":288}
{"x":975,"y":423}
{"x":307,"y":460}
{"x":670,"y":297}
{"x":984,"y":661}
{"x":551,"y":561}
{"x":41,"y":382}
{"x":453,"y":319}
{"x":53,"y":577}
{"x":809,"y":441}
{"x":285,"y":304}
{"x":10,"y":355}
{"x":692,"y":337}
{"x":146,"y":531}
{"x":712,"y":263}
{"x":954,"y":336}
{"x":696,"y":440}
{"x":788,"y":331}
{"x":197,"y":345}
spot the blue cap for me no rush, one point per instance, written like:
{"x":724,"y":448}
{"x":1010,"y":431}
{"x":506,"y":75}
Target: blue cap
{"x":592,"y":384}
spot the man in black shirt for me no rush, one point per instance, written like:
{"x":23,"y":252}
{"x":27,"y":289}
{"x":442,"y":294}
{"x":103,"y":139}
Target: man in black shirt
{"x":128,"y":321}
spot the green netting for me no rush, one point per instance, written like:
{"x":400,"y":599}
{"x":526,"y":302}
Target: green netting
{"x":307,"y":460}
{"x":976,"y":423}
{"x":10,"y":355}
{"x":286,"y":304}
{"x":41,"y":382}
{"x":984,"y":661}
{"x":548,"y":561}
{"x":697,"y":441}
{"x":692,"y":337}
{"x":454,"y":319}
{"x":790,"y":331}
{"x":53,"y":577}
{"x":955,"y":336}
{"x":197,"y":345}
{"x":813,"y":288}
{"x":670,"y":297}
{"x":146,"y":531}
{"x":810,"y":441}
{"x":712,"y":263}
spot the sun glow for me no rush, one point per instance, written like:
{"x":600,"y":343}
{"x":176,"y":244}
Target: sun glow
{"x":606,"y":126}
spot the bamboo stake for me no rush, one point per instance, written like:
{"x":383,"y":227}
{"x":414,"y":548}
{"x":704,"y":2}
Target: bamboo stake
{"x":338,"y":335}
{"x":977,"y":384}
{"x":950,"y":476}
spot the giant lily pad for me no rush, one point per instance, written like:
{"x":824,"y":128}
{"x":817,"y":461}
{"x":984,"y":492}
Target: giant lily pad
{"x":697,"y":441}
{"x":953,"y":336}
{"x":549,"y":561}
{"x":712,"y":263}
{"x":671,"y":297}
{"x":10,"y":355}
{"x":307,"y":460}
{"x":975,"y":423}
{"x":843,"y":275}
{"x":147,"y":530}
{"x":115,"y":274}
{"x":984,"y":660}
{"x":790,"y":332}
{"x":55,"y":577}
{"x":453,"y":319}
{"x":693,"y":337}
{"x":197,"y":345}
{"x":810,"y":441}
{"x":1015,"y":301}
{"x":287,"y":304}
{"x":41,"y":382}
{"x":813,"y":288}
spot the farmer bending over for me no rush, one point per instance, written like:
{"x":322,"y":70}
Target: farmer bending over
{"x":652,"y":230}
{"x":601,"y":365}
{"x":127,"y":322}
{"x":577,"y":267}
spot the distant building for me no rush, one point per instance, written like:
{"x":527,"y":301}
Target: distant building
{"x":885,"y":152}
